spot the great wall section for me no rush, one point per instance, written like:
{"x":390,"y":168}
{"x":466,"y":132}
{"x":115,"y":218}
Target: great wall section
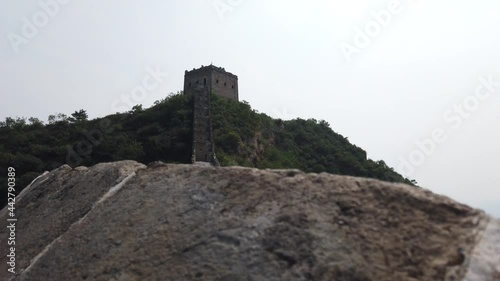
{"x":203,"y":142}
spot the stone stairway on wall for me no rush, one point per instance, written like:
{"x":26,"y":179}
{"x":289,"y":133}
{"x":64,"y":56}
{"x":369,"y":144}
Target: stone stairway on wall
{"x":203,"y":143}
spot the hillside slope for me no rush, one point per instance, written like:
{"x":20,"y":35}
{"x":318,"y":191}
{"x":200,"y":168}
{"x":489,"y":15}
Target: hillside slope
{"x":126,"y":221}
{"x":163,"y":132}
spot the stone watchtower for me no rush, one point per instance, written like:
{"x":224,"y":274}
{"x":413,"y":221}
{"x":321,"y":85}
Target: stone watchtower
{"x":201,"y":83}
{"x":216,"y":79}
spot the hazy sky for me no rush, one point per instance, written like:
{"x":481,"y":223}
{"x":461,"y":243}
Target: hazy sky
{"x":408,"y":81}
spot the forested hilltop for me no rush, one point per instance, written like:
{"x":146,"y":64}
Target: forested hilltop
{"x":163,"y":132}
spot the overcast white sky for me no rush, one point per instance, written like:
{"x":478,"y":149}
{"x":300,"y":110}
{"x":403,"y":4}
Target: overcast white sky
{"x":427,"y":58}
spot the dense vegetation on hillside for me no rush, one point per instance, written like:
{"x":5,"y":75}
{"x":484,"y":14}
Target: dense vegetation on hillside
{"x":163,"y":132}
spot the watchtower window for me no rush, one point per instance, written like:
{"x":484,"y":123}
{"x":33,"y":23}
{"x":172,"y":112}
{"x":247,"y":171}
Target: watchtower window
{"x":232,"y":87}
{"x":217,"y":82}
{"x":225,"y":84}
{"x":204,"y":81}
{"x":197,"y":82}
{"x":189,"y":85}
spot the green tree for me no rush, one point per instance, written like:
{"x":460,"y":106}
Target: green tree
{"x":58,"y":118}
{"x":79,"y":116}
{"x":136,"y":109}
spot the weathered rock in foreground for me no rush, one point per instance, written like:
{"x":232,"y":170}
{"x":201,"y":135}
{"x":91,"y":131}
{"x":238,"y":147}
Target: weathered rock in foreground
{"x":123,"y":221}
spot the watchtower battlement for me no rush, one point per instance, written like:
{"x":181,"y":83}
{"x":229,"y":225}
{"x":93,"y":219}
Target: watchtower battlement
{"x":216,"y":79}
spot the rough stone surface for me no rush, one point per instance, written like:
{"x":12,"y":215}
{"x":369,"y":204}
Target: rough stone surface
{"x":485,"y":260}
{"x":55,"y":201}
{"x":187,"y":222}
